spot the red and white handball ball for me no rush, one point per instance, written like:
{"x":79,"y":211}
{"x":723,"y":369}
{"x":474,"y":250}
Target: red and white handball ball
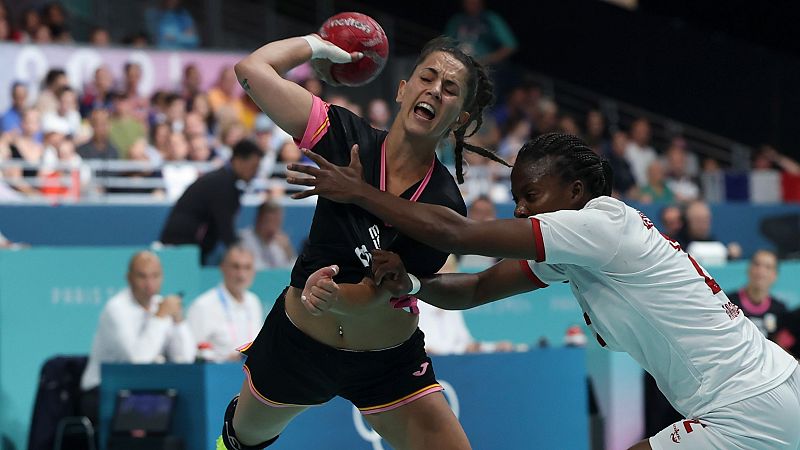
{"x":356,"y":32}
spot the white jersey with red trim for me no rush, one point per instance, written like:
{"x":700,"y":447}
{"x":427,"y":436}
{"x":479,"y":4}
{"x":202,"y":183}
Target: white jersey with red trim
{"x":641,"y":294}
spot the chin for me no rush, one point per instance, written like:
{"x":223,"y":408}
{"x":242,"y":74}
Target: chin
{"x":415,"y":129}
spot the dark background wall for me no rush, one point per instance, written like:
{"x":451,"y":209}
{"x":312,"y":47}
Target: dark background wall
{"x":729,"y":67}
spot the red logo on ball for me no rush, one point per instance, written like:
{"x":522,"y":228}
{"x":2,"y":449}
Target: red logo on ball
{"x":356,"y":32}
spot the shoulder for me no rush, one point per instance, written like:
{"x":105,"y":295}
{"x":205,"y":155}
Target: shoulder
{"x":252,"y":299}
{"x":350,"y":120}
{"x":204,"y":300}
{"x":597,"y":210}
{"x":779,"y":305}
{"x":608,"y":204}
{"x":246,"y":234}
{"x":120,"y":303}
{"x":339,"y":130}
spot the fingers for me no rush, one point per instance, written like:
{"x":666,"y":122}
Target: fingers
{"x":329,"y":271}
{"x":383,"y":272}
{"x":355,"y":56}
{"x":355,"y":161}
{"x":306,"y":169}
{"x":304,"y":194}
{"x":330,"y":287}
{"x":310,"y":304}
{"x":326,"y":289}
{"x":319,"y":298}
{"x":321,"y":162}
{"x":302,"y":181}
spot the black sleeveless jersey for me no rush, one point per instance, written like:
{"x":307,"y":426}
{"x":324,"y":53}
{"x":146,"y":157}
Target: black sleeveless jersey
{"x":346,"y":234}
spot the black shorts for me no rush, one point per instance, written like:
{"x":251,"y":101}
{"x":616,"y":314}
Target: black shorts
{"x":286,"y":367}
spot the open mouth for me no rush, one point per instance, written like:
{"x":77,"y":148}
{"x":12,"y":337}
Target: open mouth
{"x":425,"y":110}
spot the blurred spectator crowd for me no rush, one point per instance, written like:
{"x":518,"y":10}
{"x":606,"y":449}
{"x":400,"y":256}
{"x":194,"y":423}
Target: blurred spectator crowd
{"x":63,"y":143}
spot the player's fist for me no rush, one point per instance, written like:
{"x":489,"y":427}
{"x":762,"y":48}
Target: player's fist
{"x":320,"y":292}
{"x":389,"y":272}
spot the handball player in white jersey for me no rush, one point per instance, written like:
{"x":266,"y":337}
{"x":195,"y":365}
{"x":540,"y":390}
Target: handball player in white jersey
{"x":639,"y":291}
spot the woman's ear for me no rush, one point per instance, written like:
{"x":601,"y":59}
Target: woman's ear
{"x":401,"y":88}
{"x":578,"y":190}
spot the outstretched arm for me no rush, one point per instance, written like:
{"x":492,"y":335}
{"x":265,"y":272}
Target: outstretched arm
{"x":436,"y":226}
{"x":454,"y":290}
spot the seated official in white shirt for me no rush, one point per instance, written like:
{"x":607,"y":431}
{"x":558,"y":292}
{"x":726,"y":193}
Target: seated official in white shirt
{"x":139,"y":326}
{"x":270,"y":245}
{"x":227,"y":316}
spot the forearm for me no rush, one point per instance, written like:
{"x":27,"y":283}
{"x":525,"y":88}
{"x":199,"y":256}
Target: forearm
{"x":280,"y":56}
{"x":434,"y":225}
{"x":450,"y":291}
{"x":468,"y":290}
{"x":261,"y":76}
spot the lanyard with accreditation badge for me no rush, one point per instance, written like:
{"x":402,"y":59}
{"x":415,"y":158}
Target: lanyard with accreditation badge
{"x":226,"y":306}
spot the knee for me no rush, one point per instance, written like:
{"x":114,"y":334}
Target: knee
{"x":238,"y":434}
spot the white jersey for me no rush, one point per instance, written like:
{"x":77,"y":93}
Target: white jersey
{"x":641,"y":294}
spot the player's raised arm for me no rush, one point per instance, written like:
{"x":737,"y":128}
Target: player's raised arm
{"x":261,"y":76}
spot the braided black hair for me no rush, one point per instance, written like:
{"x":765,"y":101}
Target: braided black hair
{"x":571,"y":159}
{"x":480,"y":94}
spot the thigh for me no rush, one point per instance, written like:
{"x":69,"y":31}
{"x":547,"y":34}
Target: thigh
{"x":425,"y":423}
{"x":256,"y":421}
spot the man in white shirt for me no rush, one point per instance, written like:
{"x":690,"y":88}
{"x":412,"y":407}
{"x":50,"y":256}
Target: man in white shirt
{"x":139,"y":326}
{"x":227,"y":315}
{"x":267,"y":241}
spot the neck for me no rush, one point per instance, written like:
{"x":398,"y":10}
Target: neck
{"x":408,"y":157}
{"x":756,"y":294}
{"x":237,"y":294}
{"x":143,"y":302}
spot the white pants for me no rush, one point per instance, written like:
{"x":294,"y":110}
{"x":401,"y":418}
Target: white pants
{"x":769,"y":421}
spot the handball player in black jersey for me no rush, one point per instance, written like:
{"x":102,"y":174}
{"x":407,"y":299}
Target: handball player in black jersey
{"x":362,"y":348}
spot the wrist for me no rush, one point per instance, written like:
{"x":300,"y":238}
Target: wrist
{"x":315,"y":44}
{"x":322,"y":49}
{"x":362,"y":197}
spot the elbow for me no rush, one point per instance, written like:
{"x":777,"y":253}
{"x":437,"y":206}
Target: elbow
{"x":242,"y":68}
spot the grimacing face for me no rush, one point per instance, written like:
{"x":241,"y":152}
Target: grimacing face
{"x":431,"y":100}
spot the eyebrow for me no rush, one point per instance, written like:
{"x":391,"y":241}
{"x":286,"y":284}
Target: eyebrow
{"x":446,"y":80}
